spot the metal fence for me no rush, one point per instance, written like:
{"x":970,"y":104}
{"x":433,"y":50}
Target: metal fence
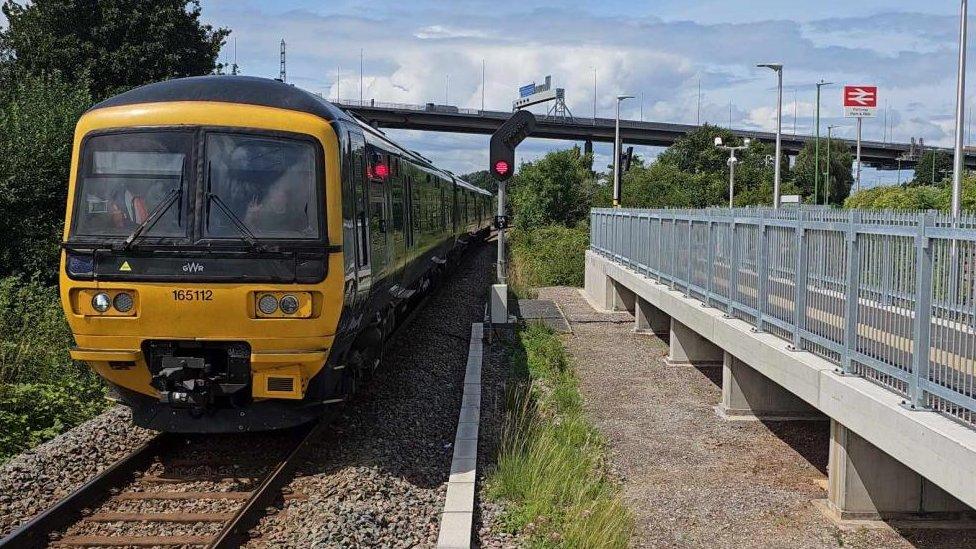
{"x":890,"y":296}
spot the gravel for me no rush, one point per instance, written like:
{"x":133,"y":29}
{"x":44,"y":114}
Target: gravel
{"x":34,"y":480}
{"x":690,"y":478}
{"x":378,"y":477}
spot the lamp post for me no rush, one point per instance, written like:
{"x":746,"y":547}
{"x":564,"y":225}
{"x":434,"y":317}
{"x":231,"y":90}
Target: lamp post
{"x":816,"y":154}
{"x":778,"y":68}
{"x":830,"y":130}
{"x":959,"y":154}
{"x":732,"y":162}
{"x":616,"y":153}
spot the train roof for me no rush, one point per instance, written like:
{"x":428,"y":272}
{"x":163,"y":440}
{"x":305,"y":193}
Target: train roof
{"x":252,"y":90}
{"x":249,"y":90}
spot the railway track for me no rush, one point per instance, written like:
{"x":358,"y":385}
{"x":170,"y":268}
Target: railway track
{"x":175,"y":490}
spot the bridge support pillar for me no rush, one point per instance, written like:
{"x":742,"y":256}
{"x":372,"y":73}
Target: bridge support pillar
{"x":648,"y":319}
{"x":687,"y":347}
{"x":604,"y":292}
{"x":864,"y":483}
{"x":588,"y":147}
{"x":748,"y":395}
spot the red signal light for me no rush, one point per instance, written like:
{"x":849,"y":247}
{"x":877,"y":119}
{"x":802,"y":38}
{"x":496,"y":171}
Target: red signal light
{"x":381,"y":171}
{"x":501,"y":167}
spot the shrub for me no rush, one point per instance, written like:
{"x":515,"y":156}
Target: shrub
{"x":42,"y":392}
{"x":549,"y":256}
{"x":31,"y":413}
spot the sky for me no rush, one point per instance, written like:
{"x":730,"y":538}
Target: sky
{"x":432,"y":51}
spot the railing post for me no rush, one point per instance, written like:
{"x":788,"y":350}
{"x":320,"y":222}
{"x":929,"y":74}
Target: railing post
{"x":688,"y":277}
{"x":800,"y":284}
{"x":923,"y":314}
{"x":853,"y":282}
{"x":661,"y":250}
{"x":762,"y":276}
{"x":733,"y":267}
{"x":710,"y":262}
{"x":674,"y":251}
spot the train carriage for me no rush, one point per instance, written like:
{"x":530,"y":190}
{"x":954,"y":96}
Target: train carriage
{"x":236,"y":250}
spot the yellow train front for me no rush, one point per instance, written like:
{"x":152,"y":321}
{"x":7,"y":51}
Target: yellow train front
{"x":236,"y":250}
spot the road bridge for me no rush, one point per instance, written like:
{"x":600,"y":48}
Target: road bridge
{"x":448,"y":118}
{"x":867,"y":318}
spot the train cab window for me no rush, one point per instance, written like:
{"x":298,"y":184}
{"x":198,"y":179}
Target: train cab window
{"x":266,"y":183}
{"x":126,"y":178}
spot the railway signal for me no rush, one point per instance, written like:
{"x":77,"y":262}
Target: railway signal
{"x":501,"y":164}
{"x":503,"y":142}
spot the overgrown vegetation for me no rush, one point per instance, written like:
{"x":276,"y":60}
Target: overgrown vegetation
{"x":42,"y":392}
{"x":552,"y":463}
{"x":57,"y":58}
{"x":552,"y":255}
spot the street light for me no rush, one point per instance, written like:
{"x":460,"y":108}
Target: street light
{"x":959,"y":154}
{"x":816,"y":155}
{"x":616,"y":153}
{"x":778,"y":67}
{"x":731,"y":162}
{"x":830,"y":130}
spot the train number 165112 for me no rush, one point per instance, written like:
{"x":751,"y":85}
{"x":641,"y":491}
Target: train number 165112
{"x":193,"y":295}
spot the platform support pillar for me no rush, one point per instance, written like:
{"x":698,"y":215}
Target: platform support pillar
{"x":747,"y":395}
{"x":864,"y":483}
{"x":688,"y":347}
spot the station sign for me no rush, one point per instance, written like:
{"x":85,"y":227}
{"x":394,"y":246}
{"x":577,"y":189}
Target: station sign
{"x":860,"y":101}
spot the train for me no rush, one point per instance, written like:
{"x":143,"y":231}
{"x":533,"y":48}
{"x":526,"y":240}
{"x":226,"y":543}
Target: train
{"x":237,"y":250}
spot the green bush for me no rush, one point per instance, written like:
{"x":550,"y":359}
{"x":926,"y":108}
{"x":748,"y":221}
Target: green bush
{"x":551,"y":465}
{"x":42,"y":392}
{"x":31,"y":413}
{"x":549,"y":256}
{"x":919,"y":197}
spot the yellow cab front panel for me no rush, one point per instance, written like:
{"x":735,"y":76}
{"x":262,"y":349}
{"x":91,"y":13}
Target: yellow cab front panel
{"x":204,"y":315}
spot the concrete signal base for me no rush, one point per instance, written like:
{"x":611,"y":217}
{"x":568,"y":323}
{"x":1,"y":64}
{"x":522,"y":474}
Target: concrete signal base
{"x":884,"y":461}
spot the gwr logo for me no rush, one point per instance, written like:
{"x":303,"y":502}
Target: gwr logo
{"x":193,"y":267}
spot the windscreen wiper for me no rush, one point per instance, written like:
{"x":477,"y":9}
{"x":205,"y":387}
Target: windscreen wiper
{"x":246,"y":233}
{"x":154,"y":215}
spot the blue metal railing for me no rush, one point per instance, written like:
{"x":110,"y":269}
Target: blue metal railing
{"x":890,"y":296}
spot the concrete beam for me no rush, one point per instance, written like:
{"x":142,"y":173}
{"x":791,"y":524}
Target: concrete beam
{"x":864,"y":483}
{"x":934,"y":446}
{"x":648,"y":319}
{"x":748,"y":395}
{"x":688,"y":347}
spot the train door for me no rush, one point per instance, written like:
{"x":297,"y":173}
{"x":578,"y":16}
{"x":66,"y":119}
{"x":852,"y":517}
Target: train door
{"x":360,"y":187}
{"x":379,"y":221}
{"x":398,"y":210}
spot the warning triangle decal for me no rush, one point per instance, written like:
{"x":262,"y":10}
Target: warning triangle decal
{"x":125,"y":266}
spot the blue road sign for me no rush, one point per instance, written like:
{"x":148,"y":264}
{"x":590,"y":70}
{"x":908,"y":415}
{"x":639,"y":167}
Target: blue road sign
{"x":527,"y":90}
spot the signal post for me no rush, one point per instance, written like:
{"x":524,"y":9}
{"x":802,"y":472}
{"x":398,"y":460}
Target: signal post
{"x":501,"y":164}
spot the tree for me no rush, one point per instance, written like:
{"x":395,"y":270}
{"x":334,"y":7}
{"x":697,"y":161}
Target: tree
{"x":696,"y":151}
{"x":114,"y":44}
{"x":556,"y":189}
{"x":933,"y":168}
{"x":662,"y":185}
{"x":37,"y":121}
{"x":841,"y":175}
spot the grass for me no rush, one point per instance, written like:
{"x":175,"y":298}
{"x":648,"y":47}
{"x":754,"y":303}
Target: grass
{"x":42,"y":392}
{"x":551,"y":466}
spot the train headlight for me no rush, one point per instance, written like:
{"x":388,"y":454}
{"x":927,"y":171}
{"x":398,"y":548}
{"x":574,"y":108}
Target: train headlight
{"x":101,"y":302}
{"x":268,"y":304}
{"x":123,"y":302}
{"x":289,"y":304}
